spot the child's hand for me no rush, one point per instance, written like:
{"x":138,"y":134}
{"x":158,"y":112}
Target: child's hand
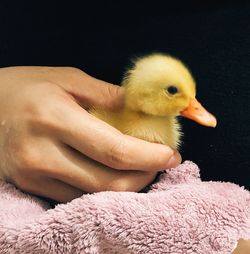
{"x":47,"y":137}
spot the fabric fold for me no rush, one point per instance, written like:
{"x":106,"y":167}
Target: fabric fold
{"x":180,"y":214}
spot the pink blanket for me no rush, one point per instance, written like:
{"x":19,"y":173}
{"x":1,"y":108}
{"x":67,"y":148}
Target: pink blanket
{"x":180,"y":214}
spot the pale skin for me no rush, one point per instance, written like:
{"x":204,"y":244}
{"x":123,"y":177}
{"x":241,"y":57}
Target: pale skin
{"x":52,"y":147}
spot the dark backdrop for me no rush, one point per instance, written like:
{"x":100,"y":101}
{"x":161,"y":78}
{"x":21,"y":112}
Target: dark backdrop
{"x":213,"y":38}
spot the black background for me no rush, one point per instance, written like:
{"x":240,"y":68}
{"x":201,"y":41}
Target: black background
{"x":212,"y":38}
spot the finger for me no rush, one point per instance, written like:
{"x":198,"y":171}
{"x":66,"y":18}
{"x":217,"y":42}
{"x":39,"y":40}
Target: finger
{"x":71,"y":167}
{"x":105,"y":144}
{"x":51,"y":188}
{"x":75,"y":170}
{"x":88,"y":91}
{"x":91,"y":92}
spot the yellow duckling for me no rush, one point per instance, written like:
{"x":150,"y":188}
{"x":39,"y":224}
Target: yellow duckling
{"x":157,"y":90}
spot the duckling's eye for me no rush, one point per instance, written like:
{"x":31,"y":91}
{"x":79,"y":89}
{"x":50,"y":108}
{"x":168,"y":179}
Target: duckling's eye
{"x":172,"y":89}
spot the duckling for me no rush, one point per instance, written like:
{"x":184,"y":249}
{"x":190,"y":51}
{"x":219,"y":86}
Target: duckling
{"x":158,"y":88}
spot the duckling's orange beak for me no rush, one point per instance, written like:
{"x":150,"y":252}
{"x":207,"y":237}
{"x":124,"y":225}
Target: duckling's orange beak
{"x":196,"y":112}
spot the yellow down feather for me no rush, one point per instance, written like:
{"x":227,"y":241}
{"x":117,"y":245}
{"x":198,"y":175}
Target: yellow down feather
{"x":150,"y":110}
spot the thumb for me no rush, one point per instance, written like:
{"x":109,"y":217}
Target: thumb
{"x":92,"y":92}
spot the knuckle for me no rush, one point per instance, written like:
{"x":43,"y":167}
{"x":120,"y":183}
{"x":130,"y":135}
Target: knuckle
{"x":72,"y":72}
{"x":121,"y":185}
{"x":43,"y":115}
{"x":163,"y":158}
{"x":136,"y":181}
{"x":25,"y":158}
{"x":22,"y":182}
{"x":117,"y":155}
{"x":111,"y":92}
{"x":28,"y":184}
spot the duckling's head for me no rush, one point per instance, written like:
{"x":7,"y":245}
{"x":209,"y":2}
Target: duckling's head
{"x":163,"y":86}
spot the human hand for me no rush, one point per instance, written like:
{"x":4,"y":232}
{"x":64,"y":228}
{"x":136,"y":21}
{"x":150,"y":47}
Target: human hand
{"x":51,"y":146}
{"x":243,"y":247}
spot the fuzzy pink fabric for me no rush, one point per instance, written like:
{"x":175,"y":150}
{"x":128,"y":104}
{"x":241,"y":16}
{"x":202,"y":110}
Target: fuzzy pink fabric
{"x":180,"y":214}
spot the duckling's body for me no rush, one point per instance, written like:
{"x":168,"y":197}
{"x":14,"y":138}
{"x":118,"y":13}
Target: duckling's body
{"x":157,"y":129}
{"x":157,"y":89}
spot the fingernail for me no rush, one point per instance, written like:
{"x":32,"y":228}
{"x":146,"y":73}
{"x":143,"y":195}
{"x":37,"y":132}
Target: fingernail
{"x":175,"y":160}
